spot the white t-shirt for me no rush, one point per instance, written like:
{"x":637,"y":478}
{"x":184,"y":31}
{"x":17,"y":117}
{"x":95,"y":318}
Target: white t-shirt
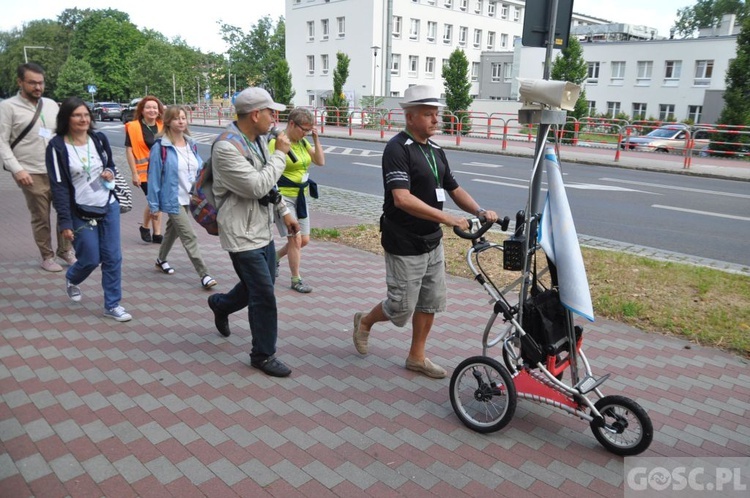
{"x":187,"y":167}
{"x":86,"y":174}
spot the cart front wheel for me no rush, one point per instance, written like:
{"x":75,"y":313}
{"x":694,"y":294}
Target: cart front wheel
{"x":626,"y":428}
{"x":483,"y":394}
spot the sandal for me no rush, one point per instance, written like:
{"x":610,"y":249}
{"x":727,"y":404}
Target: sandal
{"x":207,"y":282}
{"x":164,"y":267}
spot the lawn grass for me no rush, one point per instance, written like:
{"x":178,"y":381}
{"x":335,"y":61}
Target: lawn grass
{"x":703,"y":305}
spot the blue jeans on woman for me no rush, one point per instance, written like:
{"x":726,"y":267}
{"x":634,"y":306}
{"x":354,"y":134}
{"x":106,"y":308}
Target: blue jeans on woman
{"x":97,"y":245}
{"x":257,"y":272}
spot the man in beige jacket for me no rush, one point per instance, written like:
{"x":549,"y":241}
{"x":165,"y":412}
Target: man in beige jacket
{"x":244,"y":186}
{"x":25,"y":160}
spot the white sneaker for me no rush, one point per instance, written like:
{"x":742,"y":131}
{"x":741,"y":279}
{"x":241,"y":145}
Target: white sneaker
{"x":118,"y":313}
{"x":74,"y":293}
{"x":51,"y":265}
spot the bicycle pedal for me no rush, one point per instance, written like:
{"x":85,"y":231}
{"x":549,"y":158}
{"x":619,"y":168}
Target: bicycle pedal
{"x":589,"y":383}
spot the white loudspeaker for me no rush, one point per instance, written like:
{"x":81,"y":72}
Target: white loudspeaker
{"x":557,"y":94}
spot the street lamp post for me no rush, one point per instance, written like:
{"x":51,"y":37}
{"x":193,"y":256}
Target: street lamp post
{"x":25,"y":47}
{"x":375,"y":49}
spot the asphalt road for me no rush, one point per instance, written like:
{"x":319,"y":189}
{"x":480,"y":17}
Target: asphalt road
{"x":697,"y":216}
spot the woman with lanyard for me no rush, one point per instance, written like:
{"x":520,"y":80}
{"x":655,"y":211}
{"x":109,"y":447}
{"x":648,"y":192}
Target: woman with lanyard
{"x":81,"y":171}
{"x":173,"y":163}
{"x":294,"y":184}
{"x":140,"y":134}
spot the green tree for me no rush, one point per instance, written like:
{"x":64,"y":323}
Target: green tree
{"x":457,"y":92}
{"x":255,"y":55}
{"x":281,"y":83}
{"x":706,"y":13}
{"x":74,"y":78}
{"x":338,"y":99}
{"x":736,"y":111}
{"x":570,"y":65}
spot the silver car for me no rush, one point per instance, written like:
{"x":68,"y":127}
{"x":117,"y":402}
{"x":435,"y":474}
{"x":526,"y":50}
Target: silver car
{"x":669,"y":138}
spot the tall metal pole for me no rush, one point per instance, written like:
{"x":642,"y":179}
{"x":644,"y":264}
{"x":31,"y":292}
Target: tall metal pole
{"x":375,"y":49}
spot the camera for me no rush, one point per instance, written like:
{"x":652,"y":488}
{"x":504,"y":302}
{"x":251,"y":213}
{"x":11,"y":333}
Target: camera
{"x":272,"y":197}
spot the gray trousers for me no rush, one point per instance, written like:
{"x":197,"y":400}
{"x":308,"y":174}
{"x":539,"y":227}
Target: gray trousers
{"x":180,"y":225}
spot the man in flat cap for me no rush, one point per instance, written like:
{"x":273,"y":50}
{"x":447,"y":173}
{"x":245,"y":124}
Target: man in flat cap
{"x":244,"y":186}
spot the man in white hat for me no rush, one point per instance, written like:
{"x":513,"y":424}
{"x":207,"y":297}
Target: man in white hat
{"x":416,"y":178}
{"x":244,"y":185}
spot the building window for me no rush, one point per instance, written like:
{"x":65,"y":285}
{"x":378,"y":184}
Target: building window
{"x":445,"y":63}
{"x":324,"y":29}
{"x":478,"y":7}
{"x":613,"y":109}
{"x":645,"y":68}
{"x":341,"y":22}
{"x":591,"y":104}
{"x":666,"y":112}
{"x":504,"y":11}
{"x":310,"y":30}
{"x":310,"y":64}
{"x":430,"y":2}
{"x":503,"y":40}
{"x":490,"y":40}
{"x":477,"y":38}
{"x":618,"y":73}
{"x":593,"y":73}
{"x":496,"y":72}
{"x":694,"y":113}
{"x":448,"y":4}
{"x":463,"y":33}
{"x":429,"y":66}
{"x":396,"y":28}
{"x":448,"y":33}
{"x":703,"y":72}
{"x":396,"y":64}
{"x":491,"y":9}
{"x":507,"y":71}
{"x":672,"y":70}
{"x":413,"y":65}
{"x":462,"y":4}
{"x":474,"y":71}
{"x":431,"y":30}
{"x":516,"y":14}
{"x":639,"y":111}
{"x":324,"y":63}
{"x":414,"y":29}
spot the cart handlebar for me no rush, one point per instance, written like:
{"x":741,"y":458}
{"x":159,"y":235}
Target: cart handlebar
{"x":479,"y":226}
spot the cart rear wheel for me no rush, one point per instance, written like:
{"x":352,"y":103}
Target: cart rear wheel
{"x":483,"y":394}
{"x":626,"y":428}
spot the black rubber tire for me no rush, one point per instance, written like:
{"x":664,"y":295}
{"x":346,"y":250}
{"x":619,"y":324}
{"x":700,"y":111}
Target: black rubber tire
{"x":482,"y":394}
{"x":626,"y":429}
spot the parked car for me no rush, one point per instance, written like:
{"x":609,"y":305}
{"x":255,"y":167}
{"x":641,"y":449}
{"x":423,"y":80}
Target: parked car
{"x":668,"y":138}
{"x":129,"y":111}
{"x":107,"y":110}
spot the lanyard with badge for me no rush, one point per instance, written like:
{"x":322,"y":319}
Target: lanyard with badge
{"x":439,"y":191}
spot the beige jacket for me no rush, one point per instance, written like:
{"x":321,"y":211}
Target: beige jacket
{"x":245,"y":224}
{"x":15,"y":114}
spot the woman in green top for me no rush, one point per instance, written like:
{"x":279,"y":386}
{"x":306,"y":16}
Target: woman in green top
{"x":294,"y":186}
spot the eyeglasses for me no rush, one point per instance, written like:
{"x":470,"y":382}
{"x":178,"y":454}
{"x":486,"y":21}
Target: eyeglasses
{"x":306,"y":130}
{"x":33,"y":83}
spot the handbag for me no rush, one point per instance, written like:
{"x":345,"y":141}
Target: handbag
{"x":123,"y":193}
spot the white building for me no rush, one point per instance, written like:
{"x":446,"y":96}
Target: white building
{"x":631,"y":68}
{"x":423,"y":33}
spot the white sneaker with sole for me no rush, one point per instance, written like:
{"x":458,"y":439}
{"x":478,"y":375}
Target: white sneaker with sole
{"x":74,"y":293}
{"x":118,"y":313}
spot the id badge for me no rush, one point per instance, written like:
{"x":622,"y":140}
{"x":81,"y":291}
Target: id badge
{"x":96,"y":185}
{"x":305,"y":177}
{"x":440,"y":193}
{"x":45,"y":133}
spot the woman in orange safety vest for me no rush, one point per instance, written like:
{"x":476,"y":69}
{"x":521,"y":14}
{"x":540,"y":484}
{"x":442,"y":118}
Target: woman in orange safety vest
{"x":140,"y":134}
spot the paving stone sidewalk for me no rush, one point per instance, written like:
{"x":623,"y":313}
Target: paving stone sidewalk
{"x":164,"y":406}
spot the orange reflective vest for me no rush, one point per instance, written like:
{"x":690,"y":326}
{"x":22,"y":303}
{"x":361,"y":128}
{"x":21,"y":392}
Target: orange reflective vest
{"x":140,"y":149}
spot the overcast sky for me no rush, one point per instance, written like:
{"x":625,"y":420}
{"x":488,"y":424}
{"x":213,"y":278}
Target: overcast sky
{"x":200,"y":29}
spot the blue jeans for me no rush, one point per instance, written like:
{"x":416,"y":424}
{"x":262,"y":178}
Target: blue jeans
{"x":255,"y":290}
{"x":97,"y":245}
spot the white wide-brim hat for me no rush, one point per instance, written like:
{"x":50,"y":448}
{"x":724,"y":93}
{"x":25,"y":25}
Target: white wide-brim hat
{"x":420,"y":95}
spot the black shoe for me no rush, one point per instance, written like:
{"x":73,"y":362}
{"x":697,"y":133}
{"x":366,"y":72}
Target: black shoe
{"x":145,"y":234}
{"x":156,"y":239}
{"x":221,"y":320}
{"x":272,"y":366}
